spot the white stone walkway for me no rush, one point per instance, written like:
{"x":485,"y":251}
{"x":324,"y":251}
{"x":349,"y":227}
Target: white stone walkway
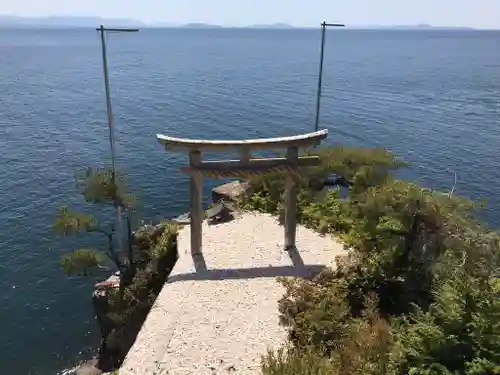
{"x":220,"y":315}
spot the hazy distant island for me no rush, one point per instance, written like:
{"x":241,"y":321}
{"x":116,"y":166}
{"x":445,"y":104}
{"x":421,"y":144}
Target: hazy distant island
{"x":427,"y":27}
{"x":70,"y":21}
{"x":198,"y":25}
{"x":422,"y":26}
{"x":60,"y":21}
{"x":271,"y":26}
{"x":73,"y":21}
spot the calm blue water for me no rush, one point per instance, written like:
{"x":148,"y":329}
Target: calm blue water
{"x":431,"y":97}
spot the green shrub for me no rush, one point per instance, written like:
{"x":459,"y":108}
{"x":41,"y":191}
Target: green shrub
{"x":460,"y":332}
{"x":426,"y":264}
{"x":288,"y":361}
{"x":355,"y":347}
{"x":315,"y":314}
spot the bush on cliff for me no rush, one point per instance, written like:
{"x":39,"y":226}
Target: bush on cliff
{"x":128,"y":314}
{"x":425,"y":263}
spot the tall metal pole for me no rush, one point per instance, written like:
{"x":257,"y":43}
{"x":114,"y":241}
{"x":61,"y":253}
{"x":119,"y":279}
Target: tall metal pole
{"x":320,"y":75}
{"x":108,"y":100}
{"x":324,"y":25}
{"x":109,"y":110}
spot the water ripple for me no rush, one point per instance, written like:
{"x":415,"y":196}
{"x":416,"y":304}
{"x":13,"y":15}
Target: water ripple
{"x":431,"y":97}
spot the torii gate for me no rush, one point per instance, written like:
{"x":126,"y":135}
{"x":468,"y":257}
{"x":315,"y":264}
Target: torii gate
{"x":245,"y":166}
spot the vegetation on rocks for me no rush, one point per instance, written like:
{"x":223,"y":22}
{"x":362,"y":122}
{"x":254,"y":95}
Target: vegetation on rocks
{"x":125,"y":315}
{"x":144,"y":262}
{"x":418,"y":293}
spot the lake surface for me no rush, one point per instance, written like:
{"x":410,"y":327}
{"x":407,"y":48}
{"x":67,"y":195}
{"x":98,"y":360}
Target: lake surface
{"x":432,"y":97}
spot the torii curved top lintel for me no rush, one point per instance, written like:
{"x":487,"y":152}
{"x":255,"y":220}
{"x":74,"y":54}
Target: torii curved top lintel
{"x":301,"y":141}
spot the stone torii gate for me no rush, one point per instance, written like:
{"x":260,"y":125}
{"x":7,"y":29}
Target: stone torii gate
{"x":244,"y":166}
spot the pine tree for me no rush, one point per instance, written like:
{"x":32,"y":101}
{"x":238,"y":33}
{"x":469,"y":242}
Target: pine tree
{"x":103,"y":188}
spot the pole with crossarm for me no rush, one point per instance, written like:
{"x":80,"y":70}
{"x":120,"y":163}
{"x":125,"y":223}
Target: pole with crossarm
{"x":102,"y":31}
{"x":324,"y":25}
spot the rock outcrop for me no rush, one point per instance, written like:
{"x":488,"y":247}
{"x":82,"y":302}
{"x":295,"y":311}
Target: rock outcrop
{"x":232,"y":191}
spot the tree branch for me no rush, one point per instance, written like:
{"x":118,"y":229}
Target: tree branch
{"x":102,"y":231}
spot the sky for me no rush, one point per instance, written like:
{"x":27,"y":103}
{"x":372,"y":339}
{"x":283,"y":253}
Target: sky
{"x":475,"y":13}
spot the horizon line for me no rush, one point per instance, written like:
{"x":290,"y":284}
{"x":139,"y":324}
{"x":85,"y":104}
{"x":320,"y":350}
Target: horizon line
{"x":199,"y":24}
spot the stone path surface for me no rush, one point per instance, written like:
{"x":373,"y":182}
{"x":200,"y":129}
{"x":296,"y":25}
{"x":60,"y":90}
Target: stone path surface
{"x":218,"y":314}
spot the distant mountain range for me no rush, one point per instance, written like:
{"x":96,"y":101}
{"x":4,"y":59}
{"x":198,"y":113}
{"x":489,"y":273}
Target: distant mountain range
{"x":422,"y":27}
{"x":62,"y":21}
{"x":58,"y":21}
{"x":271,"y":26}
{"x":197,"y":25}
